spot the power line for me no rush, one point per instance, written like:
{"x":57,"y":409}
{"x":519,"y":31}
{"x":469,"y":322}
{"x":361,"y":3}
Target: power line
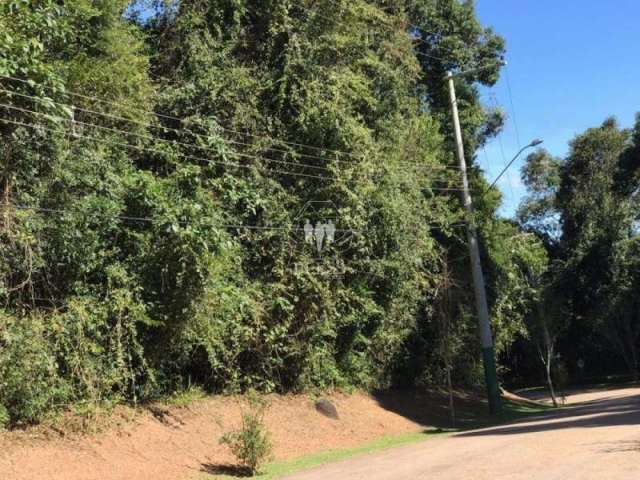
{"x":128,"y":218}
{"x":504,"y":157}
{"x":182,"y":155}
{"x":513,"y":108}
{"x":150,"y":137}
{"x":164,"y":128}
{"x":147,"y":149}
{"x":428,"y":55}
{"x":151,"y":219}
{"x":145,"y":124}
{"x":179,"y":120}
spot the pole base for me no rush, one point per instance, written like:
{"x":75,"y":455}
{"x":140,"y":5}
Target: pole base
{"x":491,"y":380}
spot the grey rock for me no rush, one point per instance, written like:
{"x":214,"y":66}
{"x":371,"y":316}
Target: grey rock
{"x":326,"y":408}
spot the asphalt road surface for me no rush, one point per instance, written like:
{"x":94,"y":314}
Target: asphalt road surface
{"x":596,"y":437}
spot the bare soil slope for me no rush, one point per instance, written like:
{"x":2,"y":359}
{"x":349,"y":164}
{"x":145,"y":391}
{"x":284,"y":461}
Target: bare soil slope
{"x":166,"y":443}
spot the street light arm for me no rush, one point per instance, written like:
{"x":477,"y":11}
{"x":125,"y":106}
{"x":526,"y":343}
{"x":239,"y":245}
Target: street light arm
{"x":533,"y":144}
{"x":451,"y":74}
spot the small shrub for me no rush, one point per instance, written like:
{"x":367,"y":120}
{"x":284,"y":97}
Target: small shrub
{"x":184,"y":398}
{"x":251,"y":443}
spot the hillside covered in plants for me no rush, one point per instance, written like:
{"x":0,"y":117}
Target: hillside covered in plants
{"x":159,"y":161}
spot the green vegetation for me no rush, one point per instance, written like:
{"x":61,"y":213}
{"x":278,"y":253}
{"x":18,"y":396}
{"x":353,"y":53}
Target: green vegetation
{"x":4,"y":418}
{"x":515,"y":411}
{"x":156,"y":164}
{"x":186,"y":397}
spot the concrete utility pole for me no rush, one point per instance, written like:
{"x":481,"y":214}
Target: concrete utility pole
{"x":486,"y":339}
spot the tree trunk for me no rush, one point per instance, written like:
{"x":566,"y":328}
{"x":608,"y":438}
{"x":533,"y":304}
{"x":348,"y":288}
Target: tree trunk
{"x":548,"y":358}
{"x":452,"y":411}
{"x":549,"y":380}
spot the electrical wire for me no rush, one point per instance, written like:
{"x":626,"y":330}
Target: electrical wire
{"x":152,"y":220}
{"x":147,"y":149}
{"x":179,"y":120}
{"x":149,"y":137}
{"x":149,"y":125}
{"x":175,"y":142}
{"x":128,"y":218}
{"x":513,"y":108}
{"x":164,"y":128}
{"x":502,"y":153}
{"x":182,"y":155}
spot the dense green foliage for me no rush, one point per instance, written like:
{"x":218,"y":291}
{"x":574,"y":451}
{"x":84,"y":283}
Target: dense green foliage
{"x":158,"y":162}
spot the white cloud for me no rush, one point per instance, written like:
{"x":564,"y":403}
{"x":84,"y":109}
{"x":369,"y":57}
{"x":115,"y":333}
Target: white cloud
{"x":511,"y":181}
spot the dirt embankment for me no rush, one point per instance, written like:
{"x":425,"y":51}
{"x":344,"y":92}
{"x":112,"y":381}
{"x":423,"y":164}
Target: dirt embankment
{"x":171,"y":443}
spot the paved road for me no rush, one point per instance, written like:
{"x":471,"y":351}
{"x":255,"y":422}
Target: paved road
{"x":596,"y":439}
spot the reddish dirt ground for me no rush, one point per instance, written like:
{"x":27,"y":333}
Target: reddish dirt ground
{"x":179,"y":443}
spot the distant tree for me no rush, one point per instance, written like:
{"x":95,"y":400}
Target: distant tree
{"x":548,"y":318}
{"x":450,"y":37}
{"x":538,"y":213}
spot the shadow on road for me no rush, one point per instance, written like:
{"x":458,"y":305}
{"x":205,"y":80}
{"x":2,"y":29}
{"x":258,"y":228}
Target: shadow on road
{"x":542,"y":393}
{"x":431,"y":409}
{"x":623,"y":446}
{"x":605,"y":412}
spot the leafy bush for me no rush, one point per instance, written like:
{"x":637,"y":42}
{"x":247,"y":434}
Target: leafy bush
{"x":88,"y":353}
{"x":30,"y":385}
{"x":251,"y":443}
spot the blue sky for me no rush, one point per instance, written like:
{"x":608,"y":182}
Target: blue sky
{"x":572,"y":63}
